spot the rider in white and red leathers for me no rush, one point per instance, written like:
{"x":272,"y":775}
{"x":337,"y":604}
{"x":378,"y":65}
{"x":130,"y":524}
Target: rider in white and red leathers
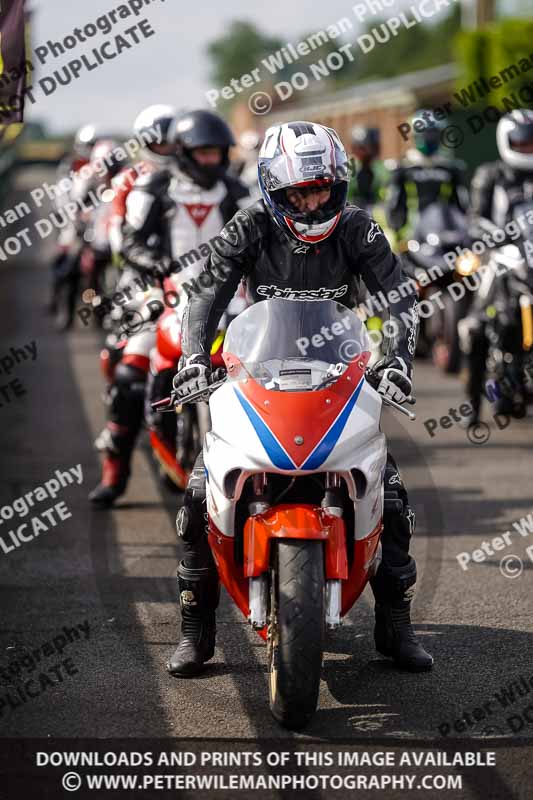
{"x":300,"y":242}
{"x":68,"y":167}
{"x":88,"y":186}
{"x":171,"y":216}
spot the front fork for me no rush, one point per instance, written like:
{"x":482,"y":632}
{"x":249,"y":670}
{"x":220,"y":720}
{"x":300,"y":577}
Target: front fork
{"x":259,"y":587}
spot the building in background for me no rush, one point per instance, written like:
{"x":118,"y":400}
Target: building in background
{"x":383,"y":104}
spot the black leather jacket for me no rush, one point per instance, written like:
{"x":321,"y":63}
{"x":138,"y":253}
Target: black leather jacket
{"x":432,"y":180}
{"x":497,"y":189}
{"x":499,"y":194}
{"x":254,"y":249}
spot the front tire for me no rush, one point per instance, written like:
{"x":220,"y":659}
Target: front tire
{"x":296,"y":630}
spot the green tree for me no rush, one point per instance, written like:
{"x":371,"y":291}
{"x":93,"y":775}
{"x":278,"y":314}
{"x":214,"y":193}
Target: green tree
{"x":419,"y":47}
{"x":486,"y":52}
{"x":239,"y":51}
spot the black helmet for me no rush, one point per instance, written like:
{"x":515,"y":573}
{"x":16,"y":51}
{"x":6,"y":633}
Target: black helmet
{"x":428,"y":140}
{"x":367,"y":138}
{"x":194,"y":129}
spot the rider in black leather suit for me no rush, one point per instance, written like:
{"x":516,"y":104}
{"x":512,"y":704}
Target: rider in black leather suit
{"x":300,"y":243}
{"x":499,"y":193}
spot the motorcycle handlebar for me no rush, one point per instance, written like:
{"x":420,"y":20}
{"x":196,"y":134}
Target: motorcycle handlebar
{"x":218,"y":379}
{"x":374,"y":378}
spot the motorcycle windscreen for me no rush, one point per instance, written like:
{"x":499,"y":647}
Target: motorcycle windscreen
{"x":294,"y":346}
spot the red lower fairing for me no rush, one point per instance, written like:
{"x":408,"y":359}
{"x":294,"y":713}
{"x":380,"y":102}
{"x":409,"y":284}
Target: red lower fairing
{"x":230,"y":573}
{"x":167,"y":459}
{"x":257,"y":539}
{"x":364,"y":554}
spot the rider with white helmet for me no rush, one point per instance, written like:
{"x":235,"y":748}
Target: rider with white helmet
{"x":300,"y":242}
{"x":501,"y":192}
{"x":172,"y":212}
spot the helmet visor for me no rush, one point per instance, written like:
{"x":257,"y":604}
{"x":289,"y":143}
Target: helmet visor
{"x":521,"y":138}
{"x":334,"y":203}
{"x":282,"y":172}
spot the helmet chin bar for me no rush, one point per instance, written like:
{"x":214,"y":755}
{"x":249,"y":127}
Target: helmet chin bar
{"x":206,"y":177}
{"x":507,"y":129}
{"x":313,"y":233}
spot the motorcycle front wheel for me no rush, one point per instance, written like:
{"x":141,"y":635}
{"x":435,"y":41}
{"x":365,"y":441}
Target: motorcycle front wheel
{"x":296,"y":630}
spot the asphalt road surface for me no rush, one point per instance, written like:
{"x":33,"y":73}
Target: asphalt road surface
{"x":111,"y":576}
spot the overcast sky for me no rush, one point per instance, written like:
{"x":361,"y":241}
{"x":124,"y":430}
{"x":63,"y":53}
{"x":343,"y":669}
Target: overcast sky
{"x":171,"y":66}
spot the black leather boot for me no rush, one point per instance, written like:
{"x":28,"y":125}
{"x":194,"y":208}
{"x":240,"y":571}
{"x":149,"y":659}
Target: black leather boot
{"x":199,"y":592}
{"x":393,"y":634}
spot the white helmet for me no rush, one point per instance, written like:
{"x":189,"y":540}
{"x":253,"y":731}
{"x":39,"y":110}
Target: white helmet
{"x":514,"y":137}
{"x":160,"y":117}
{"x":85,"y":139}
{"x":249,"y":140}
{"x":303,"y":155}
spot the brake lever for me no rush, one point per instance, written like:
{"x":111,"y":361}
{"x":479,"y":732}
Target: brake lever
{"x":398,"y":407}
{"x":165,"y":405}
{"x":200,"y":394}
{"x":374,"y":379}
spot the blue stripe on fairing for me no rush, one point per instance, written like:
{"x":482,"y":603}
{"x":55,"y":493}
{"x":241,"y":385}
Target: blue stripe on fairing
{"x":328,"y":442}
{"x":273,"y":449}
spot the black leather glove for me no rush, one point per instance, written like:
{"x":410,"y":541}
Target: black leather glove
{"x":395,"y":381}
{"x":194,"y":374}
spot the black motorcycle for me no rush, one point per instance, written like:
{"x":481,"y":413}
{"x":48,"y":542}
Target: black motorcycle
{"x":440,"y":229}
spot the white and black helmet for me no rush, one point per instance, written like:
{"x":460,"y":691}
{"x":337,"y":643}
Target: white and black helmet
{"x":514,"y":137}
{"x":303,"y":155}
{"x":159,"y":117}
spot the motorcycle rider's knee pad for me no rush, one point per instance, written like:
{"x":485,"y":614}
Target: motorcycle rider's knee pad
{"x":191,"y":518}
{"x":392,"y":503}
{"x":397,"y":508}
{"x":126,"y":393}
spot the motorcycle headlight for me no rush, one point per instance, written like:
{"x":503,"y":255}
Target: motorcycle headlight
{"x":467,"y":264}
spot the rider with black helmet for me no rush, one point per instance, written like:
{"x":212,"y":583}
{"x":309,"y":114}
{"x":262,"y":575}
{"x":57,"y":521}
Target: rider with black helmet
{"x":171,"y":216}
{"x":425,"y":175}
{"x":369,"y":176}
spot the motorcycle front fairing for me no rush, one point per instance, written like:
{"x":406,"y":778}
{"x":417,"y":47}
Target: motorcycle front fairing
{"x":239,"y":446}
{"x":297,"y":404}
{"x":265,"y":419}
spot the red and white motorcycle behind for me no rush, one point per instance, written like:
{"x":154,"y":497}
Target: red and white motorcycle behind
{"x":295,"y":462}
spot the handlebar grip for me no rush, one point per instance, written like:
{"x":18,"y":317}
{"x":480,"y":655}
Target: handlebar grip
{"x":218,"y":375}
{"x":373,"y":377}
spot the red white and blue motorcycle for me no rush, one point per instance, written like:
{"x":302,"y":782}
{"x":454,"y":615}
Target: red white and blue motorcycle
{"x":295,"y":462}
